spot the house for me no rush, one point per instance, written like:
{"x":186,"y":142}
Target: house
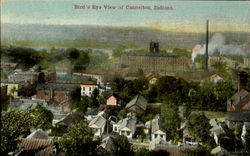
{"x":98,"y":125}
{"x":113,"y":100}
{"x":126,"y":126}
{"x":87,"y":89}
{"x":138,"y":104}
{"x":234,"y":119}
{"x":157,"y":131}
{"x":215,"y":78}
{"x":239,"y":101}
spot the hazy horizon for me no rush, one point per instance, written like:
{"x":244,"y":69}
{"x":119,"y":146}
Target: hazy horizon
{"x":186,"y":16}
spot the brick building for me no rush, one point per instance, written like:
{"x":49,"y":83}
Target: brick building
{"x":153,"y":62}
{"x":59,"y":93}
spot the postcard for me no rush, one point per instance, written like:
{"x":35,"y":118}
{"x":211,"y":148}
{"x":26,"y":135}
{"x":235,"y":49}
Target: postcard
{"x":125,"y":77}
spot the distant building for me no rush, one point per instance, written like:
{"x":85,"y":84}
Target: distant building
{"x":138,"y":104}
{"x":59,"y":93}
{"x":8,"y":66}
{"x":154,"y":62}
{"x":87,"y":89}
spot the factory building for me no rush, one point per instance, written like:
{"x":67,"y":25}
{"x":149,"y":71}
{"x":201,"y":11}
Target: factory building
{"x":155,"y":63}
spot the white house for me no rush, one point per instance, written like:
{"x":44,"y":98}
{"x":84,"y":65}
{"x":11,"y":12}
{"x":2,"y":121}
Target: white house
{"x":157,"y":132}
{"x":87,"y":89}
{"x":126,"y":126}
{"x":98,"y":125}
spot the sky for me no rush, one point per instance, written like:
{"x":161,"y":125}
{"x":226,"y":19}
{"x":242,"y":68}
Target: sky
{"x":185,"y":16}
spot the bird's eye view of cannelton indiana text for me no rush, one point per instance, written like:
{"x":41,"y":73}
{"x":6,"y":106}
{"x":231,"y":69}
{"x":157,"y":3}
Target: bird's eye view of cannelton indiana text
{"x":125,"y":78}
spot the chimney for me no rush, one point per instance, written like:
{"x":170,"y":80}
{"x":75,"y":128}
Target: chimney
{"x":151,"y":47}
{"x":207,"y":38}
{"x":242,"y":80}
{"x":156,"y":46}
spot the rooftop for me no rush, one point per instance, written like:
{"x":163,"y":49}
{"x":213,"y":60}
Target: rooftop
{"x":139,"y":101}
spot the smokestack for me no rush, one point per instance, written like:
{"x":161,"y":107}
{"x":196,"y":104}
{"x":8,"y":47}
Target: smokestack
{"x":207,"y":36}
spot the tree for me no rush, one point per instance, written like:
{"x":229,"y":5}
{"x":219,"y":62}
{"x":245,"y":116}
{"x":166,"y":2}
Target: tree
{"x":43,"y":117}
{"x":171,"y":119}
{"x":15,"y":125}
{"x":202,"y":151}
{"x":78,"y":141}
{"x":198,"y":126}
{"x":122,"y":147}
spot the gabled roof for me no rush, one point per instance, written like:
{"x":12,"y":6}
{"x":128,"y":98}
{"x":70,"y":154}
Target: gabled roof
{"x":70,"y":119}
{"x":139,"y":101}
{"x":237,"y":97}
{"x":157,"y":126}
{"x":128,"y":124}
{"x":45,"y":146}
{"x":38,"y":134}
{"x":97,"y":122}
{"x":115,"y":95}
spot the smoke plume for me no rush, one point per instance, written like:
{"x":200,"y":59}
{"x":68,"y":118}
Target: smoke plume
{"x":218,"y":44}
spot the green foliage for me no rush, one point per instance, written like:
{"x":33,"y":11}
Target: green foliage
{"x":172,"y":90}
{"x":78,"y":141}
{"x":128,"y":89}
{"x":121,"y":146}
{"x":43,"y":117}
{"x":198,"y":126}
{"x":171,"y":120}
{"x":98,"y":58}
{"x":182,"y":52}
{"x":199,"y":151}
{"x":15,"y":125}
{"x":118,"y":51}
{"x":140,"y":134}
{"x":26,"y":58}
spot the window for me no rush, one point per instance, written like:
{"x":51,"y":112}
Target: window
{"x":128,"y":133}
{"x":83,"y":88}
{"x":90,"y":89}
{"x":155,"y":135}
